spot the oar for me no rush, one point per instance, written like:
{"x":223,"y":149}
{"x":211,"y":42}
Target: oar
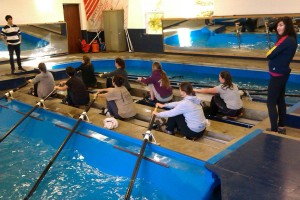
{"x":147,"y":138}
{"x":9,"y":93}
{"x":175,"y":83}
{"x":287,"y":95}
{"x":83,"y":116}
{"x":40,"y":103}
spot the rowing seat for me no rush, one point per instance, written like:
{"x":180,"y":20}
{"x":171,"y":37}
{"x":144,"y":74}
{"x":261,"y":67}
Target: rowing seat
{"x":235,"y":117}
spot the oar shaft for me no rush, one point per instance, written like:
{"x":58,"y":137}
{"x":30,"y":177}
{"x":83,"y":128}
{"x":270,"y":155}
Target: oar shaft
{"x":152,"y":120}
{"x":58,"y":151}
{"x":18,"y":123}
{"x":139,"y":160}
{"x":25,"y":116}
{"x":136,"y":169}
{"x":52,"y":160}
{"x":13,"y":90}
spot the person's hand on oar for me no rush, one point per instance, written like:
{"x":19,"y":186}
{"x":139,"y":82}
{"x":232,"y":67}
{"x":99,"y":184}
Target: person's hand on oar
{"x":96,"y":95}
{"x":154,"y":112}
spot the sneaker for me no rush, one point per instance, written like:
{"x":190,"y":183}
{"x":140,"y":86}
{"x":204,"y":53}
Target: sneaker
{"x":12,"y":72}
{"x":281,"y":130}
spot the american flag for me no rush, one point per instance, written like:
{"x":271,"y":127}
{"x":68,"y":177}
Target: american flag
{"x":90,"y":6}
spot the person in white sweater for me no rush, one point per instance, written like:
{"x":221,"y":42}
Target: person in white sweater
{"x":44,"y":81}
{"x":186,"y":115}
{"x":227,"y":99}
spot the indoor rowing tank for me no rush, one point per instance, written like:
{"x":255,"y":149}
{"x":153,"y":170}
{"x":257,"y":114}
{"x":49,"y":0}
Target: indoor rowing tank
{"x":230,"y":161}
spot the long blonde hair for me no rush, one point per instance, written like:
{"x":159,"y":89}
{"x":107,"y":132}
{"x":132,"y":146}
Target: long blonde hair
{"x":164,"y":78}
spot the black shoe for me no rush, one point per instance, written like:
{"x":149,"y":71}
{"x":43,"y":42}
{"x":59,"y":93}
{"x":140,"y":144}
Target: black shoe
{"x":12,"y":71}
{"x":281,"y":130}
{"x":22,"y":69}
{"x":169,"y":132}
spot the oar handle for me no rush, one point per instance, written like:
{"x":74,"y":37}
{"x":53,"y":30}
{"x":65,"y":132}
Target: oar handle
{"x":155,"y":109}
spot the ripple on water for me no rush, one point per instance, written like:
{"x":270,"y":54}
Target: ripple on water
{"x":23,"y":160}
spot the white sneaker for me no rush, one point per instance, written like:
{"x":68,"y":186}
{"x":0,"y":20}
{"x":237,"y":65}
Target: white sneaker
{"x":107,"y":114}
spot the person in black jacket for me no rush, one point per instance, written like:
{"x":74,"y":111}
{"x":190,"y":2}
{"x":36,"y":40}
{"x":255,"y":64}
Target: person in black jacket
{"x":77,"y":94}
{"x":87,"y":72}
{"x":280,"y":57}
{"x":120,"y":65}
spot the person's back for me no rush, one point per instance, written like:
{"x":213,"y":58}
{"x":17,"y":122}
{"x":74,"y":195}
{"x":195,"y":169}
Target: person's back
{"x":45,"y":82}
{"x":87,"y":72}
{"x":231,"y":96}
{"x":155,"y":79}
{"x":123,"y":100}
{"x":120,"y":71}
{"x":158,"y":84}
{"x":77,"y":91}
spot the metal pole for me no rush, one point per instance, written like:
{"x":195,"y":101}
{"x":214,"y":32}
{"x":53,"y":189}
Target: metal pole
{"x":82,"y":117}
{"x":147,"y":137}
{"x":40,"y":103}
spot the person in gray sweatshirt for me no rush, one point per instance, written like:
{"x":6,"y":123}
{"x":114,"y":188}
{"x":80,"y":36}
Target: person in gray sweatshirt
{"x":186,"y":115}
{"x":44,"y":81}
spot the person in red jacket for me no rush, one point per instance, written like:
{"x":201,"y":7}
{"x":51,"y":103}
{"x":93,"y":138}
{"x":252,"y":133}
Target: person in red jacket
{"x":280,"y":57}
{"x":158,"y":84}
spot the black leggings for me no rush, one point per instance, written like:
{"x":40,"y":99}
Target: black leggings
{"x":217,"y":104}
{"x":180,"y":123}
{"x":113,"y":109}
{"x":11,"y":49}
{"x":276,"y":101}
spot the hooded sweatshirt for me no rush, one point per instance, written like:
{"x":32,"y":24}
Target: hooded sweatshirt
{"x":192,"y":111}
{"x":155,"y":79}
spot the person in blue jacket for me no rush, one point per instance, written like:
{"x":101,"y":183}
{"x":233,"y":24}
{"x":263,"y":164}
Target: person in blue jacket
{"x":280,"y":57}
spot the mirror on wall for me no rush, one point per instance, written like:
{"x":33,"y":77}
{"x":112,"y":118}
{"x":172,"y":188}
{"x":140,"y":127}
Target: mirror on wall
{"x":245,"y":36}
{"x":40,"y":40}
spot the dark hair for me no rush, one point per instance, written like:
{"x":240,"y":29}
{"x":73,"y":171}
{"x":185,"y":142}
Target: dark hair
{"x":70,"y":71}
{"x":86,"y":59}
{"x":228,"y":80}
{"x":7,"y":17}
{"x":42,"y":67}
{"x":120,"y":62}
{"x":164,"y":78}
{"x":187,"y":88}
{"x":289,"y":28}
{"x":118,"y":80}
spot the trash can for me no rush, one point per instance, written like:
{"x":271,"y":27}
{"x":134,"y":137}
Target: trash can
{"x":95,"y":46}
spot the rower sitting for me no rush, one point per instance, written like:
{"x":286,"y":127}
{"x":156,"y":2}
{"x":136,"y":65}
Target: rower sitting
{"x":158,"y":84}
{"x":226,"y":100}
{"x":119,"y":101}
{"x":187,"y":115}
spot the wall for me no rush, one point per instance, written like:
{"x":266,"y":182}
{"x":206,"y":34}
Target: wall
{"x":47,"y":11}
{"x":38,"y":11}
{"x":244,"y":7}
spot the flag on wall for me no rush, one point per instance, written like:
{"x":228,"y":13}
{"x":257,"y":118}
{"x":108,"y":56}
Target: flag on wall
{"x":94,"y":9}
{"x":90,"y":6}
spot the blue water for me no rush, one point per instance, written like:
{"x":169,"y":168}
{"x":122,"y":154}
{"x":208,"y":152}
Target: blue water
{"x":29,"y":42}
{"x":204,"y":75}
{"x":89,"y":168}
{"x":204,"y":38}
